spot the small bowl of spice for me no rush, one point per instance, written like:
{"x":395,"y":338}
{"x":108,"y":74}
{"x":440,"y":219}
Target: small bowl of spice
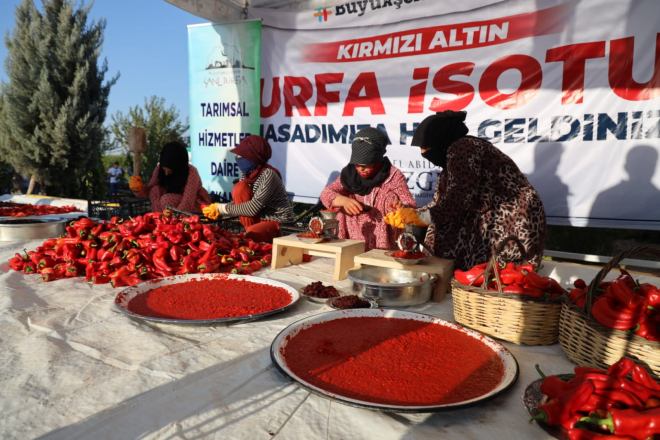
{"x":407,"y":257}
{"x":352,"y":302}
{"x":317,"y":292}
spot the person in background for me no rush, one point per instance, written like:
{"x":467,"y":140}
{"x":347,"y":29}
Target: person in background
{"x":368,"y":187}
{"x":481,"y":199}
{"x":259,"y":198}
{"x":174,"y":182}
{"x":115,"y":172}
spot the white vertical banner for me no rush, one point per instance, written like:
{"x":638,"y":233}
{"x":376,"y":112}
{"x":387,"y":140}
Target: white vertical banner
{"x":224,"y":71}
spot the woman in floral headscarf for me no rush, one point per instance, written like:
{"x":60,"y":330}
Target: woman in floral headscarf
{"x":259,"y":198}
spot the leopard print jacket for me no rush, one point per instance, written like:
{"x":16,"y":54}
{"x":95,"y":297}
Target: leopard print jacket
{"x":481,"y":199}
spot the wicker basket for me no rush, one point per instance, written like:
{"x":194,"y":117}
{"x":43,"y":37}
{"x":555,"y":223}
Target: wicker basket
{"x":517,"y":319}
{"x":587,"y":342}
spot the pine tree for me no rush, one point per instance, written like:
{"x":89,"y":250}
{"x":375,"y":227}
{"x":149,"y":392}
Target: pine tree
{"x":55,"y":102}
{"x":161,"y":124}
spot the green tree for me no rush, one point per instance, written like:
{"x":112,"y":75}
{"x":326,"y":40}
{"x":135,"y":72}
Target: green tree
{"x":55,"y":102}
{"x":161,"y":124}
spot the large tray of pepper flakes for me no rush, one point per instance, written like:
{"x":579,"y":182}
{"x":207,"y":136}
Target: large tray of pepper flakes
{"x":392,"y":360}
{"x":206,"y":298}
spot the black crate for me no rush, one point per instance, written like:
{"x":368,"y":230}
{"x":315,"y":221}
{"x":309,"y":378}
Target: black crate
{"x":120,"y":207}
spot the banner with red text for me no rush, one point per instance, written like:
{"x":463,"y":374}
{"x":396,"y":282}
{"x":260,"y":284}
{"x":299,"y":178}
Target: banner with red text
{"x":570,"y":90}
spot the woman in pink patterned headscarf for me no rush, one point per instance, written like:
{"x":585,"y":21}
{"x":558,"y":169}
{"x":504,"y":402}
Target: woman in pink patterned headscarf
{"x":367,"y":189}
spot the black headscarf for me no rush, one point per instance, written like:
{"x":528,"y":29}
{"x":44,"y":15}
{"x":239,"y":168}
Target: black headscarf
{"x":174,"y":156}
{"x":368,"y":147}
{"x":437,"y":132}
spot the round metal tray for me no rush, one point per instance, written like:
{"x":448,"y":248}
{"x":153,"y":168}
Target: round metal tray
{"x":17,"y":229}
{"x":126,"y":295}
{"x":279,"y":343}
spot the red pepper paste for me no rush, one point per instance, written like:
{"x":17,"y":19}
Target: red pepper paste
{"x":393,"y":361}
{"x":408,"y":255}
{"x":210,"y":299}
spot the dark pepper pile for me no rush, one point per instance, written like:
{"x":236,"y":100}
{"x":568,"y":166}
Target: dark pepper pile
{"x":125,"y":252}
{"x":517,"y":279}
{"x":623,"y":304}
{"x":622,"y":402}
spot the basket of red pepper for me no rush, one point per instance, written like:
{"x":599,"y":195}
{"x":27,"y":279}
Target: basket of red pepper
{"x":622,"y":402}
{"x":609,"y":319}
{"x":508,"y":301}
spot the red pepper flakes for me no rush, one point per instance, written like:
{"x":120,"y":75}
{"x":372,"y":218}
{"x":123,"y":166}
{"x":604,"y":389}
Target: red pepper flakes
{"x":393,"y":361}
{"x":210,"y":299}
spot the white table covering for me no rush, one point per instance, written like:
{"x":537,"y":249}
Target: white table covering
{"x":72,"y":367}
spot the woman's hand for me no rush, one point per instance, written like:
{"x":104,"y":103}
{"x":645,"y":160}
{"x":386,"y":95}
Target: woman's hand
{"x":349,"y":205}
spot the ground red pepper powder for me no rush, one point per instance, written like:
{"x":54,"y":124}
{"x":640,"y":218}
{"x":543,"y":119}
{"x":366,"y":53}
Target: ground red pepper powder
{"x":393,"y":361}
{"x":210,"y":299}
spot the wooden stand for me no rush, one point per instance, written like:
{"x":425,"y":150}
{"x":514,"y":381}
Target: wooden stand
{"x":442,"y":267}
{"x":290,"y":249}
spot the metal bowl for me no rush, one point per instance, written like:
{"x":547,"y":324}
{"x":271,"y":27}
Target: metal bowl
{"x":30,"y":229}
{"x":392,"y":287}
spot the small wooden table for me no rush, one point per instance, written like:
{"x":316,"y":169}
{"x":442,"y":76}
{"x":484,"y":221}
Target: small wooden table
{"x":290,"y":249}
{"x":442,"y":267}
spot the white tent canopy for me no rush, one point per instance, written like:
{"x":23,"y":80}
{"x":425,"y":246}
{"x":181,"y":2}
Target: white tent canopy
{"x":223,"y":10}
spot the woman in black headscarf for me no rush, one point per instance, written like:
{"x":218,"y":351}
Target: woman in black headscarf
{"x":481,"y":198}
{"x":367,"y":189}
{"x":174,"y":182}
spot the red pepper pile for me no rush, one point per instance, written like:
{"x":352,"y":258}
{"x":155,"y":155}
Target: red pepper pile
{"x":11,"y":209}
{"x":623,"y":304}
{"x":517,"y":279}
{"x":145,"y":247}
{"x":620,"y":403}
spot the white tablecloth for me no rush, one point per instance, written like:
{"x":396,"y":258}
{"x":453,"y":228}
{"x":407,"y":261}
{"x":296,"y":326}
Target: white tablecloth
{"x":73,"y":367}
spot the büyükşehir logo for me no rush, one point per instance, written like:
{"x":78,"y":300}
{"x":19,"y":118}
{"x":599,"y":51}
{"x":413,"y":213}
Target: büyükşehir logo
{"x":322,"y":14}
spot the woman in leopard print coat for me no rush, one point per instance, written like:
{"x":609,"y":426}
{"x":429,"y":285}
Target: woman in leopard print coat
{"x":482,"y":197}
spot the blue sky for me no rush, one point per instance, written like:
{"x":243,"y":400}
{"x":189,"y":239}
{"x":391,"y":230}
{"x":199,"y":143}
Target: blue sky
{"x":145,"y":41}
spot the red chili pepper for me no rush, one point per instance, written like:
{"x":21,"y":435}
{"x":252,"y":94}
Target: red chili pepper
{"x":621,"y":396}
{"x":255,"y":265}
{"x":580,"y":283}
{"x":509,"y":277}
{"x":553,"y":386}
{"x":621,"y":368}
{"x":581,"y":371}
{"x":578,"y":296}
{"x":649,"y":325}
{"x":637,"y":424}
{"x":159,"y":261}
{"x":606,"y":314}
{"x":533,"y":279}
{"x":652,"y":294}
{"x":472,"y":277}
{"x":17,"y":262}
{"x":210,"y":265}
{"x":583,"y":434}
{"x":562,"y":411}
{"x":624,"y":294}
{"x":642,"y":377}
